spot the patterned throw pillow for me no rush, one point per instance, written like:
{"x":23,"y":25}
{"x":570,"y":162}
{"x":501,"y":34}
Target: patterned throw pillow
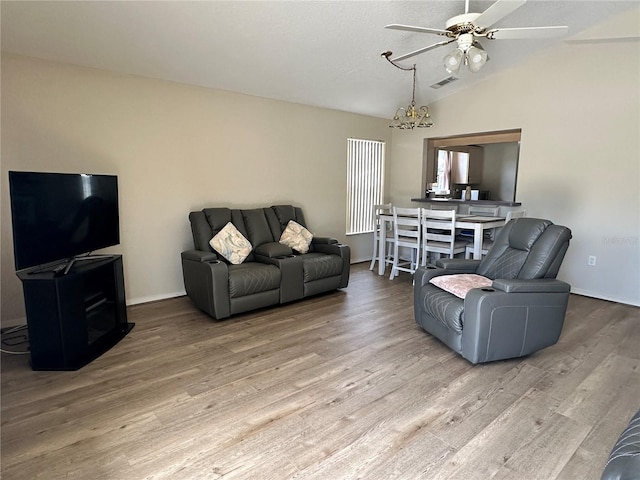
{"x":460,"y":284}
{"x":231,"y":244}
{"x":297,"y":237}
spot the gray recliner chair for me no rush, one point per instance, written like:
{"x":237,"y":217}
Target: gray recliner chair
{"x":522,"y":309}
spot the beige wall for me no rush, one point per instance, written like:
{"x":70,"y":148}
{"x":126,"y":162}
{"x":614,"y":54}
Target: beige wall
{"x":579,"y":110}
{"x":175,"y":148}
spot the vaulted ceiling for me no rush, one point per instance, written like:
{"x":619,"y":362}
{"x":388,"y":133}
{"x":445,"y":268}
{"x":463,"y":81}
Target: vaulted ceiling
{"x":321,"y":53}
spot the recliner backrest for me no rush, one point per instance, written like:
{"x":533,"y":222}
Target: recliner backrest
{"x":207,"y":223}
{"x":285,"y":213}
{"x":526,"y":248}
{"x":258,"y":225}
{"x":214,"y":220}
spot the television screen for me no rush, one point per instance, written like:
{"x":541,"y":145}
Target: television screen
{"x":56,"y":216}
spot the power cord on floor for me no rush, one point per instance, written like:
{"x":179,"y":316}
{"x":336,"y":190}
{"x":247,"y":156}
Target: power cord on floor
{"x":17,"y":336}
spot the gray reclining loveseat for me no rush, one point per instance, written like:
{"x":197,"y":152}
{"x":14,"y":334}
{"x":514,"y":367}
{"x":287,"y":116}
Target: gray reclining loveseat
{"x":271,"y":274}
{"x":518,"y":306}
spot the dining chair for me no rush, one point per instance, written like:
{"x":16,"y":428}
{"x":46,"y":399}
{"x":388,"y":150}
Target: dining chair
{"x":439,"y":234}
{"x":406,"y":235}
{"x":382,"y":209}
{"x":488,"y":243}
{"x":433,"y":206}
{"x":484,"y":210}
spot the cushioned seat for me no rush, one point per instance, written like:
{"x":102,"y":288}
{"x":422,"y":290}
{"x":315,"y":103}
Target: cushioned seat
{"x":442,"y":306}
{"x":317,"y":266}
{"x":250,"y":278}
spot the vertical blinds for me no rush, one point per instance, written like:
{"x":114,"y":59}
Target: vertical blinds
{"x":365,"y":180}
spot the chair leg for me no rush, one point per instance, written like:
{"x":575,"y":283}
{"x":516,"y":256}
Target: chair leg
{"x":394,"y":265}
{"x":375,"y":253}
{"x":388,"y":254}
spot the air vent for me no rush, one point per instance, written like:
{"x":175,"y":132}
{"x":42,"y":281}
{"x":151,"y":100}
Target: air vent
{"x":444,"y":82}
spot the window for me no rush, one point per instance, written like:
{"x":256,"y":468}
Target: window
{"x":365,"y":181}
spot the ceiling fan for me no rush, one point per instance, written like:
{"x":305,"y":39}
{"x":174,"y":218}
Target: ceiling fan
{"x":465,"y":29}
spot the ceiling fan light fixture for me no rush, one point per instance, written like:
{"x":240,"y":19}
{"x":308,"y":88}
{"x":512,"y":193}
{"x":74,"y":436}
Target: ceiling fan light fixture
{"x":453,"y":60}
{"x":476,"y":58}
{"x":467,"y":27}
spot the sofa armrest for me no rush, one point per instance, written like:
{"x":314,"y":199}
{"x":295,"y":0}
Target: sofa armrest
{"x":199,"y":256}
{"x":332,"y":248}
{"x":323,"y":241}
{"x":424,"y":274}
{"x":499,"y":325}
{"x":460,"y":265}
{"x":273,"y":250}
{"x":540,"y":285}
{"x":207,"y":283}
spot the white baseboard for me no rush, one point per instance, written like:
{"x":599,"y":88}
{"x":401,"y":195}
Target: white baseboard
{"x":360,"y":260}
{"x":155,"y":298}
{"x":586,"y":293}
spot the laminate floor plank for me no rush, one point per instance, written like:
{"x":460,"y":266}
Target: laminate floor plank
{"x":583,"y":464}
{"x":558,"y":436}
{"x":338,"y":386}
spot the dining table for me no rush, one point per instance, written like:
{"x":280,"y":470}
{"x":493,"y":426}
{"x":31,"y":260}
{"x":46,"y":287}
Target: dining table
{"x":477,"y":223}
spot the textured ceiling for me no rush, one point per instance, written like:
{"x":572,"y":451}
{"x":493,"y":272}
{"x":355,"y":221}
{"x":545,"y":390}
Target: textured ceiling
{"x":320,"y":53}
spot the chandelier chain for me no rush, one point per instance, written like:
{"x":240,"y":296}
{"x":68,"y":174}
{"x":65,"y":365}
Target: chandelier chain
{"x":409,"y":117}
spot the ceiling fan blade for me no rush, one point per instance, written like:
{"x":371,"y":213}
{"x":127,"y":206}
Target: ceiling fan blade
{"x":409,"y":28}
{"x":526,"y":33}
{"x":595,"y":41}
{"x":421,"y":50}
{"x":497,"y":12}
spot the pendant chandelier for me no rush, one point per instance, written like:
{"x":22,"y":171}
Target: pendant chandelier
{"x":407,"y":118}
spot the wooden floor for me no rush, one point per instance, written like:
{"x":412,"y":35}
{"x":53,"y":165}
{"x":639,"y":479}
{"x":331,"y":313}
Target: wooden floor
{"x":340,"y":386}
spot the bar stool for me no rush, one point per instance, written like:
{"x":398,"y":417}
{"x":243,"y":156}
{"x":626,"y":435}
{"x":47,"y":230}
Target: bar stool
{"x":382,"y":209}
{"x":482,"y":210}
{"x":439,"y":234}
{"x":406,"y":234}
{"x":488,"y":243}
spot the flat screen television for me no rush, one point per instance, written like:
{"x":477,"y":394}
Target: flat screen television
{"x":59,"y":216}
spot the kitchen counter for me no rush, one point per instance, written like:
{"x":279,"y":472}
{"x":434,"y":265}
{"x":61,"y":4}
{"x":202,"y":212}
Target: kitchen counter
{"x":458,"y":201}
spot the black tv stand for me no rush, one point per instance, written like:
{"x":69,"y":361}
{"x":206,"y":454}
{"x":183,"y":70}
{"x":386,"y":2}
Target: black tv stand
{"x":75,"y":317}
